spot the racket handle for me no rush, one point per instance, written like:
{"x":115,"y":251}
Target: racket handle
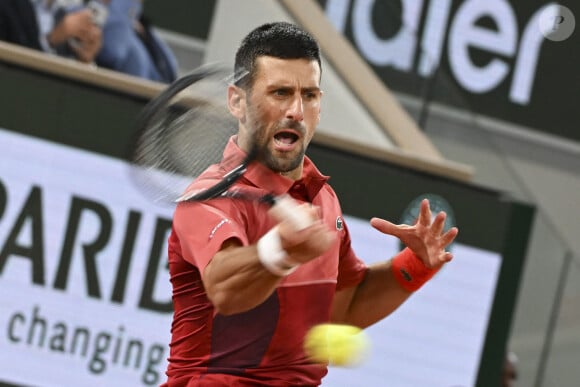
{"x":286,"y":208}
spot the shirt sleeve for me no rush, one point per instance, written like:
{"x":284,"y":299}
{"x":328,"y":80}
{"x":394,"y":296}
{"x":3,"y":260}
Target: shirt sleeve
{"x":202,"y":228}
{"x":351,"y":269}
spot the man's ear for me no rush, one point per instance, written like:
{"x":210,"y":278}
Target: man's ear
{"x":237,"y":102}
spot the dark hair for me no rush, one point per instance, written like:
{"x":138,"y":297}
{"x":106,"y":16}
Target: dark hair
{"x":280,"y":40}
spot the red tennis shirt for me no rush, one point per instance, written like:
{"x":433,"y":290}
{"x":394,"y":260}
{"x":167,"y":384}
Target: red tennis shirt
{"x":263,"y":346}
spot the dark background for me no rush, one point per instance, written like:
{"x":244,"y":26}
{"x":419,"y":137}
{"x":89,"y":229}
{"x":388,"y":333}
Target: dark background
{"x":555,"y":94}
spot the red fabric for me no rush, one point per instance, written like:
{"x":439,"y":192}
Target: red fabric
{"x":264,"y":345}
{"x":410,"y":271}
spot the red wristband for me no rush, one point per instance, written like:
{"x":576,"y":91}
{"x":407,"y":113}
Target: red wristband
{"x":409,"y":270}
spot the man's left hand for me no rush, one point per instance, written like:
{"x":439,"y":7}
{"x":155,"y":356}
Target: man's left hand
{"x":426,"y":238}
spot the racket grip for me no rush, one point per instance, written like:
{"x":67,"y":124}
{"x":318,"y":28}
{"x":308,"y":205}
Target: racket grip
{"x":287,"y":209}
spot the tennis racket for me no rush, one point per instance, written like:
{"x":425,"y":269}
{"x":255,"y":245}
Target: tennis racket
{"x":182,"y":132}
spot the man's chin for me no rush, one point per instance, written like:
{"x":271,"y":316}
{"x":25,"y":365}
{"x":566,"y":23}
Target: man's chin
{"x":283,"y":165}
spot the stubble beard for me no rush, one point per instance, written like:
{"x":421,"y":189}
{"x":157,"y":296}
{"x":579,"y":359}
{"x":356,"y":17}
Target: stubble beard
{"x":281,"y":165}
{"x":287,"y":162}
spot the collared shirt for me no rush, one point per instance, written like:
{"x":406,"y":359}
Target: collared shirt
{"x":265,"y":343}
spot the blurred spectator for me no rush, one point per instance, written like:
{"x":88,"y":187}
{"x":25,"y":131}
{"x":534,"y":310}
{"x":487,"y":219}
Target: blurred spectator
{"x":41,"y":25}
{"x":130,"y":45}
{"x":18,"y":23}
{"x":77,"y":30}
{"x":112,"y":33}
{"x":509,"y":372}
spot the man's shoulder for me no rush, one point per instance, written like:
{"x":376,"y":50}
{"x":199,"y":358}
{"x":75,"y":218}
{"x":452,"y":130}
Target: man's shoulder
{"x":214,"y":175}
{"x":210,"y":176}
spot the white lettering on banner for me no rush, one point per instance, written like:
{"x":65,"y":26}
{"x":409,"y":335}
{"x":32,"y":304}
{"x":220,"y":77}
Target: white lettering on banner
{"x":397,"y":51}
{"x":434,"y":36}
{"x":464,"y":34}
{"x":527,"y":60}
{"x":400,"y":50}
{"x":337,"y":12}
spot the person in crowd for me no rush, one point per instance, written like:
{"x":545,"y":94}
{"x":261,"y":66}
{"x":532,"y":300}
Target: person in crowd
{"x":42,"y":25}
{"x":112,"y":34}
{"x":131,"y":45}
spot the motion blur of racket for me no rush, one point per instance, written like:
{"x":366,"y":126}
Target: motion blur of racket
{"x":183,"y":131}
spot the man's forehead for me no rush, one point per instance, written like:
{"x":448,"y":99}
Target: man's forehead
{"x":271,"y":66}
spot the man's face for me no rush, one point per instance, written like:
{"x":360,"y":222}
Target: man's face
{"x":281,"y":112}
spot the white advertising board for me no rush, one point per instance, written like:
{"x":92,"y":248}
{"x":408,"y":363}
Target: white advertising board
{"x":85,"y":294}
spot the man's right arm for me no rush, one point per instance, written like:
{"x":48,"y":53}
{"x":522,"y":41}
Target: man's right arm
{"x":235,"y":278}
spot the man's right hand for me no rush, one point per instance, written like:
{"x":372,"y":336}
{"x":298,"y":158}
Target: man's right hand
{"x":308,"y":243}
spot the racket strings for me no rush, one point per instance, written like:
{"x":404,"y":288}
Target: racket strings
{"x":198,"y":140}
{"x":182,"y":132}
{"x":179,"y":144}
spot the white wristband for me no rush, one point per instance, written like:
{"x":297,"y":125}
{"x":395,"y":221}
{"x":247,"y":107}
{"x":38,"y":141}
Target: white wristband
{"x":273,"y":256}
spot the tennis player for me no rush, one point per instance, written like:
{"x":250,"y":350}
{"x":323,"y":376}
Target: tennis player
{"x":247,"y":285}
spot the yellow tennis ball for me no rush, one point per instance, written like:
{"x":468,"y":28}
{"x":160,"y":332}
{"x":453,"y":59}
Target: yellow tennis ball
{"x":336,"y":344}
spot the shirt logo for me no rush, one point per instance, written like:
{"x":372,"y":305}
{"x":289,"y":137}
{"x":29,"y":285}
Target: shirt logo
{"x":217,"y":227}
{"x":339,"y":223}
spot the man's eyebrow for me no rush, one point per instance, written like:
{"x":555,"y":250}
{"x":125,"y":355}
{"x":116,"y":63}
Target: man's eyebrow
{"x":311,"y":89}
{"x":292,"y":87}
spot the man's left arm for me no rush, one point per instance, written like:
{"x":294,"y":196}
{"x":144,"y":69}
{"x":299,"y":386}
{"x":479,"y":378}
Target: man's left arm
{"x":388,"y":284}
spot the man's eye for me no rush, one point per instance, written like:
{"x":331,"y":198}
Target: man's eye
{"x":311,"y":95}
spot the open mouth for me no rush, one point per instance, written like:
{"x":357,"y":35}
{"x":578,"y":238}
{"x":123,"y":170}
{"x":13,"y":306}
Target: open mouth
{"x":285,"y":138}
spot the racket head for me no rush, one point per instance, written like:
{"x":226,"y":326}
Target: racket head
{"x":182,"y":132}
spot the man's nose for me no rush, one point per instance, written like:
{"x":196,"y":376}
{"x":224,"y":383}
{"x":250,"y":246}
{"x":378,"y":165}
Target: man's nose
{"x":295,"y":111}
